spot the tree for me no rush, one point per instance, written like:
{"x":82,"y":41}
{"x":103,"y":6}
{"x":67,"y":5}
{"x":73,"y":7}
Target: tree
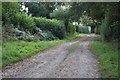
{"x":105,"y":14}
{"x":61,"y":12}
{"x":50,"y":6}
{"x":24,"y":21}
{"x":36,"y":9}
{"x":112,"y":18}
{"x":9,"y":9}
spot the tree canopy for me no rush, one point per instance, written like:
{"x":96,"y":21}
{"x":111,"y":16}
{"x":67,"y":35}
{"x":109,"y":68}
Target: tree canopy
{"x":103,"y":17}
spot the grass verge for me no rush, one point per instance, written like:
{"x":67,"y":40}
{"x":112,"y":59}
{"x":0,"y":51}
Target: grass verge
{"x":107,"y":56}
{"x":14,"y":51}
{"x":18,"y":50}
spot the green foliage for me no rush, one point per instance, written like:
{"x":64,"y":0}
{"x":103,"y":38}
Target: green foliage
{"x":97,"y":29}
{"x":60,"y":13}
{"x":83,"y":29}
{"x":115,"y":30}
{"x":106,"y":13}
{"x":105,"y":27}
{"x":44,"y":35}
{"x":70,"y":28}
{"x":36,"y":9}
{"x":18,"y":50}
{"x":108,"y":58}
{"x":24,"y":21}
{"x":22,"y":35}
{"x":55,"y":26}
{"x":94,"y":10}
{"x":0,"y":56}
{"x":50,"y":6}
{"x":14,"y":51}
{"x":9,"y":9}
{"x":109,"y":27}
{"x":73,"y":36}
{"x":11,"y":34}
{"x":7,"y":32}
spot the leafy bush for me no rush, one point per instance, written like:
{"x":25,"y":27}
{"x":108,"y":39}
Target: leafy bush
{"x":60,"y":13}
{"x":36,"y":9}
{"x":9,"y":9}
{"x":70,"y":28}
{"x":44,"y":35}
{"x":104,"y":28}
{"x":25,"y":22}
{"x":97,"y":29}
{"x":55,"y":26}
{"x":83,"y":29}
{"x":22,"y":35}
{"x":77,"y":30}
{"x":12,"y":33}
{"x":39,"y":35}
{"x":116,"y":30}
{"x":7,"y":32}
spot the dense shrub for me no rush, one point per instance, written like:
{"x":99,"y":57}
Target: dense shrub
{"x":39,"y":35}
{"x":9,"y":9}
{"x":10,"y":33}
{"x":83,"y":29}
{"x":115,"y":30}
{"x":77,"y":28}
{"x":22,"y":35}
{"x":25,"y":21}
{"x":97,"y":29}
{"x":105,"y":27}
{"x":44,"y":35}
{"x":7,"y":32}
{"x":55,"y":26}
{"x":71,"y":28}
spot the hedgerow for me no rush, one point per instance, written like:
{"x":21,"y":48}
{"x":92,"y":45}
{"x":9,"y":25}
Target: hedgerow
{"x":55,"y":26}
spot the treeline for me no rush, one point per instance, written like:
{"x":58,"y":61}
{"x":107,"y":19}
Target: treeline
{"x":32,"y":21}
{"x":42,"y":19}
{"x":104,"y":17}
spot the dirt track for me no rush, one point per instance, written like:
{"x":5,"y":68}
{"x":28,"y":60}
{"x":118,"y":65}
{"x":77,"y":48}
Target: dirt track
{"x":58,"y":62}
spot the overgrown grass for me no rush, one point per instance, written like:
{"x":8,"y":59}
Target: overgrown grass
{"x":18,"y":50}
{"x":107,"y":56}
